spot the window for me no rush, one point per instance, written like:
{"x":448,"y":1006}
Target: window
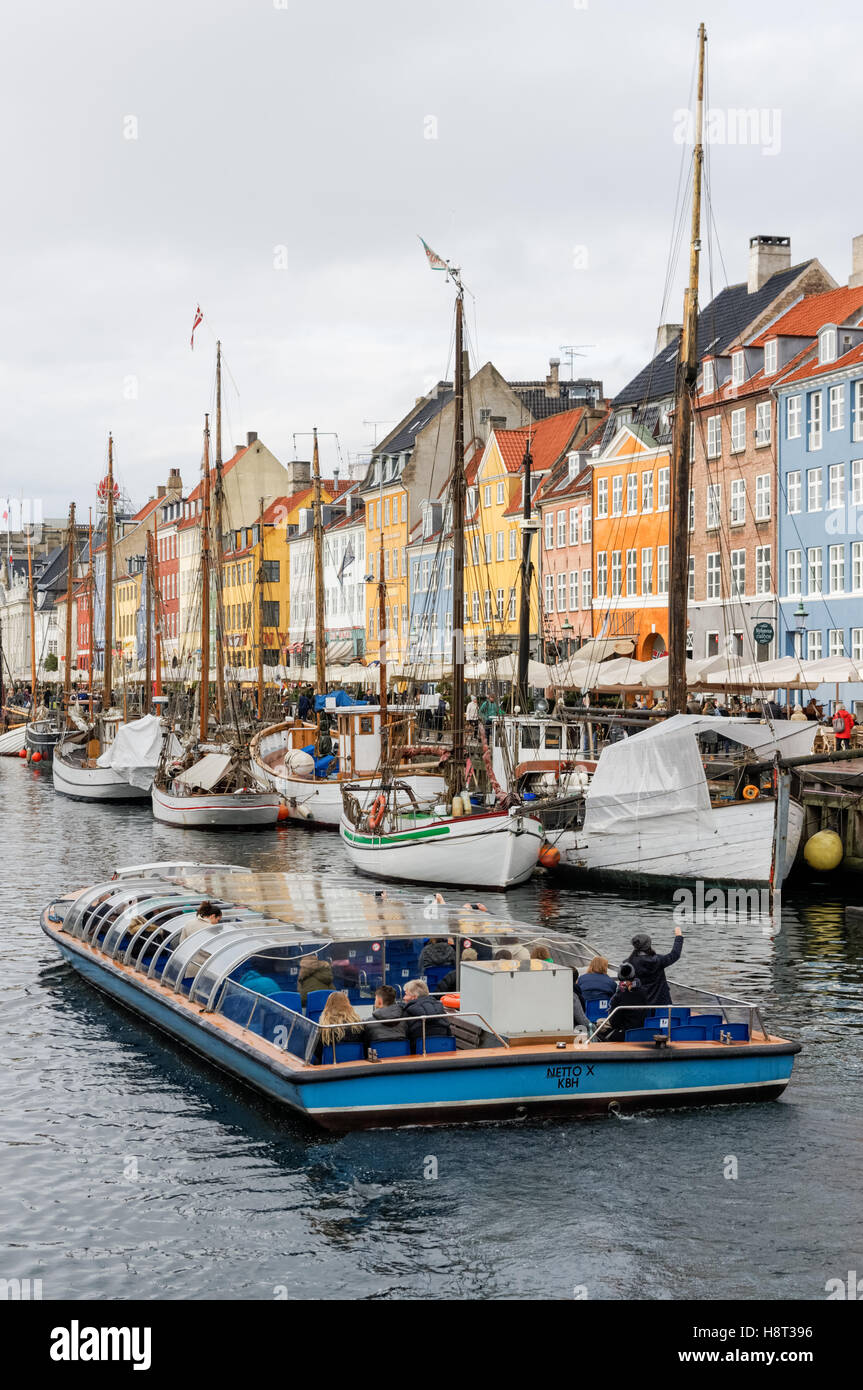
{"x":561,"y":592}
{"x":857,"y":644}
{"x":738,"y":431}
{"x":573,"y":525}
{"x":738,"y":501}
{"x":270,"y":614}
{"x":771,"y":357}
{"x":692,"y":441}
{"x":573,"y":590}
{"x":475,"y":606}
{"x":857,"y":566}
{"x":616,"y":573}
{"x":690,"y":587}
{"x":837,"y":407}
{"x":835,"y":486}
{"x":762,"y":497}
{"x":738,"y":368}
{"x":662,"y":569}
{"x":827,"y":345}
{"x":711,"y":644}
{"x":631,"y":494}
{"x":500,"y":488}
{"x":763,"y":424}
{"x":602,"y":575}
{"x":512,"y":612}
{"x":794,"y":491}
{"x":835,"y":641}
{"x":549,"y":593}
{"x":487,"y":607}
{"x":814,"y":646}
{"x":549,"y":531}
{"x":499,"y":604}
{"x":486,"y":496}
{"x":404,"y":506}
{"x":617,"y":495}
{"x":692,"y":509}
{"x":395,"y":564}
{"x":714,"y":436}
{"x":813,"y":489}
{"x":763,"y":566}
{"x":837,"y":569}
{"x":814,"y":562}
{"x":815,"y":400}
{"x":561,"y":529}
{"x":708,"y":380}
{"x":857,"y":482}
{"x":794,"y":571}
{"x":601,"y":497}
{"x":632,"y":572}
{"x":647,"y":571}
{"x":738,"y":573}
{"x":858,"y":411}
{"x":647,"y":492}
{"x":663,"y":489}
{"x":793,"y":417}
{"x":586,"y":523}
{"x":488,"y":549}
{"x":714,"y":498}
{"x":500,"y":545}
{"x":513,"y":542}
{"x":586,"y":588}
{"x":386,"y":511}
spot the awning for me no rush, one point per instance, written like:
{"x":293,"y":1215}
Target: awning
{"x":206,"y":773}
{"x":598,"y":648}
{"x":340,"y":650}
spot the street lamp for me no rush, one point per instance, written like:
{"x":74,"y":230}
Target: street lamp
{"x":800,"y":616}
{"x":566,"y":627}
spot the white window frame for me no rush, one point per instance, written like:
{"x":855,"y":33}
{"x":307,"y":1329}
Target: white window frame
{"x":738,"y":430}
{"x":714,"y":436}
{"x":794,"y":491}
{"x":738,"y":573}
{"x":632,"y":494}
{"x":663,"y":489}
{"x":647,"y":570}
{"x":602,"y":574}
{"x":815,"y":438}
{"x":794,"y":417}
{"x":647,"y":491}
{"x":763,"y":569}
{"x":763,"y":497}
{"x":827,"y":345}
{"x":835,"y":487}
{"x":794,"y":572}
{"x":837,"y":407}
{"x":601,"y":498}
{"x":737,"y":512}
{"x":738,"y":368}
{"x":631,"y":573}
{"x":814,"y":571}
{"x":617,"y":495}
{"x":836,"y":562}
{"x":713,"y":574}
{"x":763,"y":424}
{"x":771,"y":356}
{"x":714,"y":506}
{"x":708,"y":379}
{"x":814,"y":490}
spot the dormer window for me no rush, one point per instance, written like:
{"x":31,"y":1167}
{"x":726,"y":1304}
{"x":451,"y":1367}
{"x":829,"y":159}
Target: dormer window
{"x":571,"y":467}
{"x":708,"y":383}
{"x":738,"y":368}
{"x":771,"y":357}
{"x":827,"y":345}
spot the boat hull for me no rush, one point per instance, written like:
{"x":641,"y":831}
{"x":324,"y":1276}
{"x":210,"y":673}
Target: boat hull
{"x":216,"y":810}
{"x":320,"y":803}
{"x":41,"y":739}
{"x":484,"y":851}
{"x":92,"y":783}
{"x":456,"y":1087}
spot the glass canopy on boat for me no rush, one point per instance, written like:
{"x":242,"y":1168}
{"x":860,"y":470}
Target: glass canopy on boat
{"x":99,"y":904}
{"x":140,"y":915}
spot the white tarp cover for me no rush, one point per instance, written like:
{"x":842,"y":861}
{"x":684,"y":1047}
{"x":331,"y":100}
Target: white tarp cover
{"x":134,"y":753}
{"x":205,"y":773}
{"x":788,"y":735}
{"x":640,"y":781}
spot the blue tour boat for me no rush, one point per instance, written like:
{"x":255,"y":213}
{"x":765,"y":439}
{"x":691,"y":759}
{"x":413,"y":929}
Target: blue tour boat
{"x":230,"y":992}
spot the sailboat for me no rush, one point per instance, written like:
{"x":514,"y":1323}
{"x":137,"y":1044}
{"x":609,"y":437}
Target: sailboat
{"x":210,"y":780}
{"x":398,"y":838}
{"x":43,"y":729}
{"x":311,"y":788}
{"x":81,"y":765}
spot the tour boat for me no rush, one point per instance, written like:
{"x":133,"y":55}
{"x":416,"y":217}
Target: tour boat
{"x":506,"y":1050}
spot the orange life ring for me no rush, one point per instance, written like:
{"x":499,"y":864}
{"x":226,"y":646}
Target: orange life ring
{"x":750,"y":792}
{"x":376,"y":814}
{"x":451,"y":1001}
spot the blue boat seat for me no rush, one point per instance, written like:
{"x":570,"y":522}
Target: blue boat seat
{"x":640,"y":1034}
{"x":315,"y":1001}
{"x":344,"y":1052}
{"x":290,"y":998}
{"x":706,"y":1021}
{"x":660,"y":1021}
{"x":596,"y":1009}
{"x":434,"y":975}
{"x":437,"y":1045}
{"x":739,"y":1032}
{"x":688,"y":1033}
{"x":399,"y":1047}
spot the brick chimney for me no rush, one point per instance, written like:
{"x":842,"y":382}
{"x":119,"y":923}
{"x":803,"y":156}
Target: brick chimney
{"x":856,"y":276}
{"x":251,"y":437}
{"x":175,"y":482}
{"x":767,"y":255}
{"x":552,"y":381}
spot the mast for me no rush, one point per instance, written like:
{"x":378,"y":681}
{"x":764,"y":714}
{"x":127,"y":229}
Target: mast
{"x":217,"y":526}
{"x":261,"y":612}
{"x":109,"y":582}
{"x":67,"y":675}
{"x":91,"y":604}
{"x":205,"y":590}
{"x":157,"y":602}
{"x":320,"y":645}
{"x":148,"y":658}
{"x":687,"y":372}
{"x":458,"y":496}
{"x":32,"y":627}
{"x":382,"y":623}
{"x":526,"y":574}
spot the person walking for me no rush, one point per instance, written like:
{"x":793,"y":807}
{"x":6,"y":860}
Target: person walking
{"x":843,"y":723}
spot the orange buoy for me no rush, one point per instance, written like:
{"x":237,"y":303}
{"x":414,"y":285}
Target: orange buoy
{"x":549,"y":857}
{"x":750,"y":792}
{"x":37,"y":758}
{"x":23,"y":753}
{"x":284,"y":813}
{"x":451,"y":1001}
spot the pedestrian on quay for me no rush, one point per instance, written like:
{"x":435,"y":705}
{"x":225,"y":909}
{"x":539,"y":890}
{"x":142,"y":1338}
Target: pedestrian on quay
{"x":843,"y":723}
{"x":472,"y":716}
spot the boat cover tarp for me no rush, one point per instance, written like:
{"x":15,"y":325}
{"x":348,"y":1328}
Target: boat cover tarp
{"x":641,"y":780}
{"x":341,"y":698}
{"x":134,"y":752}
{"x":323,"y":764}
{"x":789,"y":736}
{"x":207,"y":772}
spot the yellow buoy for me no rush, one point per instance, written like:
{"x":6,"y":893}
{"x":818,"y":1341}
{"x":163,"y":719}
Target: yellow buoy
{"x":823,"y":850}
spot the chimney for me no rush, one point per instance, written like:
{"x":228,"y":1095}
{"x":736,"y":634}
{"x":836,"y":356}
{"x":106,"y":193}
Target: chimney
{"x":161,"y":490}
{"x":299,"y":472}
{"x":175,"y":482}
{"x":251,"y":437}
{"x":767,"y":255}
{"x":666,"y":334}
{"x":552,"y":381}
{"x":856,"y":276}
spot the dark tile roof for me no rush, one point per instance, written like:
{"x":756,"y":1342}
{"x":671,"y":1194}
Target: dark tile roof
{"x":415,"y":421}
{"x":718,"y":325}
{"x":572,"y":395}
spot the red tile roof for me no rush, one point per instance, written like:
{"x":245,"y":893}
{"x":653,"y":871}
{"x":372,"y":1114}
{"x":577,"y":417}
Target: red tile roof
{"x":549,"y":439}
{"x":757,"y":382}
{"x":814,"y":368}
{"x":804,"y":319}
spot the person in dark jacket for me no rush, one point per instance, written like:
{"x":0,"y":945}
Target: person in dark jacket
{"x":304,"y":705}
{"x":419,"y":1005}
{"x":650,"y":968}
{"x":437,"y":951}
{"x":315,"y":973}
{"x":629,"y":991}
{"x":387,"y":1006}
{"x":596,"y":983}
{"x":450,"y":981}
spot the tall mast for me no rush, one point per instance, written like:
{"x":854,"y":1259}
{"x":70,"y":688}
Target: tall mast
{"x":157,"y":602}
{"x":458,"y":495}
{"x":261,"y":611}
{"x":687,"y":372}
{"x":32,"y":626}
{"x":148,"y":656}
{"x":109,"y":581}
{"x":320,"y":642}
{"x":382,"y":621}
{"x":526,"y":575}
{"x":91,"y":606}
{"x":217,"y":528}
{"x":67,"y":675}
{"x":205,"y":589}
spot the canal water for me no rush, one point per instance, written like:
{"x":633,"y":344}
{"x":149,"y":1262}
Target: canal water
{"x":130,"y":1170}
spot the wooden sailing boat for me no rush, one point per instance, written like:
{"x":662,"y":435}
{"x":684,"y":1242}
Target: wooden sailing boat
{"x":211,"y":781}
{"x":397,"y":839}
{"x":43,"y":729}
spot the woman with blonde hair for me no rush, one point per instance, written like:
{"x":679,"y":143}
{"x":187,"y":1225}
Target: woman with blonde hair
{"x":596,"y":983}
{"x":339,"y":1022}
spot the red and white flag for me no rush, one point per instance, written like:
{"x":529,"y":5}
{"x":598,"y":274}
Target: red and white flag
{"x":199,"y":318}
{"x":436,"y":262}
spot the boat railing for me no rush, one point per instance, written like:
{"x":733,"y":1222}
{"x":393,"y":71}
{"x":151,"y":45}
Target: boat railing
{"x":733,"y":1011}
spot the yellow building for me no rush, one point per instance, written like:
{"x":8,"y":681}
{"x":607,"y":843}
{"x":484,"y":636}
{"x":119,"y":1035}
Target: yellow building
{"x":127,"y":602}
{"x":386,"y":548}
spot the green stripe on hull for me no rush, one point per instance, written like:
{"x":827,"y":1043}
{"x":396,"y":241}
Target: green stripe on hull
{"x":434,"y":832}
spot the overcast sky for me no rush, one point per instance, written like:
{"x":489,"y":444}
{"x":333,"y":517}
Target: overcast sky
{"x":297,"y":131}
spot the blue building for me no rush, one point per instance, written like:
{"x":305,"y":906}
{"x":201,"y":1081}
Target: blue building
{"x":818,"y":356}
{"x":430,"y":567}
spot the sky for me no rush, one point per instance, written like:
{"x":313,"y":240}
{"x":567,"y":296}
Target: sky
{"x":275,"y":160}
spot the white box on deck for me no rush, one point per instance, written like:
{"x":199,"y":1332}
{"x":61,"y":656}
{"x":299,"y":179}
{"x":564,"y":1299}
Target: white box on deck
{"x":518,"y":997}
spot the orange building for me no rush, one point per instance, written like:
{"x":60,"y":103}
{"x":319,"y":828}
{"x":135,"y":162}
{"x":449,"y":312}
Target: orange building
{"x":631,"y":511}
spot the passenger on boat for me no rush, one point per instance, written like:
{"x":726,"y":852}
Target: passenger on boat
{"x":336,"y":1022}
{"x":315,"y":973}
{"x":437,"y":951}
{"x":540,"y":950}
{"x":420,"y":1004}
{"x":579,"y":1017}
{"x":629,"y":991}
{"x":503,"y":954}
{"x":596,"y":983}
{"x":208,"y":915}
{"x":450,"y":981}
{"x":387,"y":1006}
{"x":650,"y":968}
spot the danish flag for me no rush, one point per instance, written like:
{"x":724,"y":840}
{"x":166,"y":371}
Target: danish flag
{"x":199,"y":318}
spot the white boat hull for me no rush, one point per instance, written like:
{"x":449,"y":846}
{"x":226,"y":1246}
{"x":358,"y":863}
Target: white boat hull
{"x":220,"y":810}
{"x":736,"y":847}
{"x":320,"y":803}
{"x":484,"y":851}
{"x":92,"y":783}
